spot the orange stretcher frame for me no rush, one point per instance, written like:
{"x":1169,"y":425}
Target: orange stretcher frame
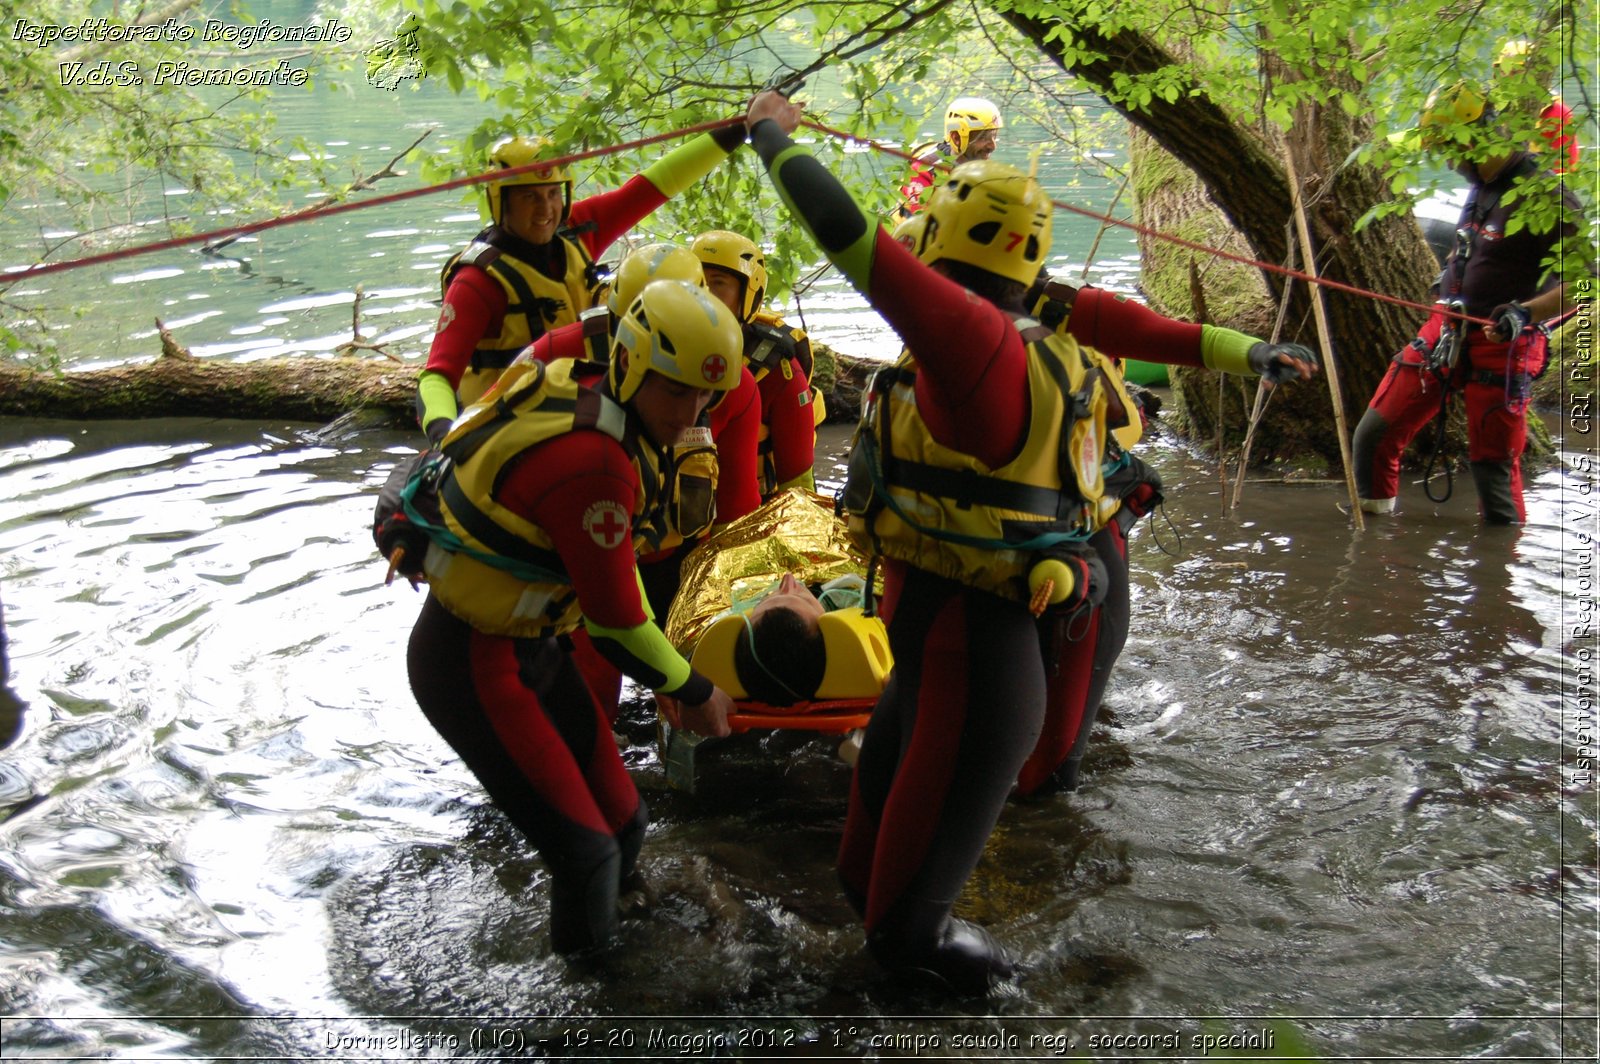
{"x":836,"y":716}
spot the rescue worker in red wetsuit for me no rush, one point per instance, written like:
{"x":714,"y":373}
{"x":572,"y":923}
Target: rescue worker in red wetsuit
{"x":532,"y":269}
{"x":1495,"y":274}
{"x":971,"y":132}
{"x":734,"y":420}
{"x":957,"y":483}
{"x":778,"y":355}
{"x":552,"y":490}
{"x":1089,"y":646}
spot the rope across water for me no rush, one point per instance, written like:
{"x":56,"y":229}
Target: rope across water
{"x":235,"y":231}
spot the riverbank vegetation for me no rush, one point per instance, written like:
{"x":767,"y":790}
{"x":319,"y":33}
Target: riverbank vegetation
{"x":1233,"y":101}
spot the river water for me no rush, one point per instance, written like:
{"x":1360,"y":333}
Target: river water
{"x":1340,"y":781}
{"x":1343,"y":792}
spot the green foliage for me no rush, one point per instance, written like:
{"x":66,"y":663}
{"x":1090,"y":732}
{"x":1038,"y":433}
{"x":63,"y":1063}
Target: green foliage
{"x":126,"y":155}
{"x":589,"y":76}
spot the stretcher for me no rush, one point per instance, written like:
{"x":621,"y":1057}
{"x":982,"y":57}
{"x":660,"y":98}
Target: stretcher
{"x":858,"y":663}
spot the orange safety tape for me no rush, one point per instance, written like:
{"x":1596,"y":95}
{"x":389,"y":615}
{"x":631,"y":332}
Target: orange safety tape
{"x":355,"y":205}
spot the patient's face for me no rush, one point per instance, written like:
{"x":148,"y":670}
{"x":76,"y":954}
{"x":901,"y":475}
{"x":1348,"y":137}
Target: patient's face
{"x":791,"y":595}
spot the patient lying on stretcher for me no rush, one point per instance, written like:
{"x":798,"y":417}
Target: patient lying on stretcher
{"x":770,"y":609}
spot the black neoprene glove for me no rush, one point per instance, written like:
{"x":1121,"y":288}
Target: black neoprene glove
{"x":436,"y":430}
{"x":1509,"y":320}
{"x":1263,"y":358}
{"x":730,"y":137}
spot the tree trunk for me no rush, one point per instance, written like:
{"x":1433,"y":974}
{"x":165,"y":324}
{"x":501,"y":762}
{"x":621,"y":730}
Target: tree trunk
{"x":1245,"y":178}
{"x":180,"y":385}
{"x":177,"y":384}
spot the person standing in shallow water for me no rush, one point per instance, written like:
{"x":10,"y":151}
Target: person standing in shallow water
{"x":1495,"y":274}
{"x":552,"y":492}
{"x":973,"y":417}
{"x":531,"y":270}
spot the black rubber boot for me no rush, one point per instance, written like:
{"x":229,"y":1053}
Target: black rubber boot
{"x":583,"y":908}
{"x":920,"y":940}
{"x":857,"y":900}
{"x":1370,"y":431}
{"x":630,"y":840}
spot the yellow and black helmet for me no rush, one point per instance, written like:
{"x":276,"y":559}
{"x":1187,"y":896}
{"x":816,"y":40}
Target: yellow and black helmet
{"x":1450,"y":110}
{"x":510,"y":153}
{"x":651,"y":262}
{"x":965,"y":116}
{"x":908,"y":233}
{"x":741,"y":256}
{"x":681,"y":331}
{"x":991,"y":216}
{"x":1513,"y":56}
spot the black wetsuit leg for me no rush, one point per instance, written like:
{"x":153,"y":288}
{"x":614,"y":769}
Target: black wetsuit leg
{"x":960,"y":715}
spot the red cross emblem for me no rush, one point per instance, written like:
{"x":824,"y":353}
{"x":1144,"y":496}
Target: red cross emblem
{"x":606,"y":523}
{"x":714,"y":368}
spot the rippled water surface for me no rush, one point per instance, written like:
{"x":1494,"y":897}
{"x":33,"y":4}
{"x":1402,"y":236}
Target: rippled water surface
{"x":1333,"y":785}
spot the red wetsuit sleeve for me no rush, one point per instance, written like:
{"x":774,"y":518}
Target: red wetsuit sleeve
{"x":736,"y":427}
{"x":568,"y":486}
{"x":1122,"y":328}
{"x":564,"y":342}
{"x":972,"y":378}
{"x":474,"y":307}
{"x":615,"y":212}
{"x":791,"y":427}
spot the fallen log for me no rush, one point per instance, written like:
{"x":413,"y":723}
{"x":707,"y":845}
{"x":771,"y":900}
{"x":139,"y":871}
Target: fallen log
{"x":177,"y":384}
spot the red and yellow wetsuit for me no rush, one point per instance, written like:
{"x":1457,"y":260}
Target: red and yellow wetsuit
{"x":475,"y":319}
{"x":967,"y":700}
{"x":515,"y":706}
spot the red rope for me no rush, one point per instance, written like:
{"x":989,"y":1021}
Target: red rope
{"x":339,"y":208}
{"x":1180,"y":241}
{"x":43,"y":269}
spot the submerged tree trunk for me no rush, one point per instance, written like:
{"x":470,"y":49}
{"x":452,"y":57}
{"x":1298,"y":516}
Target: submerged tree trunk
{"x":177,"y":384}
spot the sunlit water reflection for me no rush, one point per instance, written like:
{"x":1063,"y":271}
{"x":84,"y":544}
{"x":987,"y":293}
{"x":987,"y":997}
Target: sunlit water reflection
{"x":1331,"y":785}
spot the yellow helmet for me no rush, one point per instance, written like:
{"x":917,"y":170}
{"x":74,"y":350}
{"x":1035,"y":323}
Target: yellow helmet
{"x":651,"y":262}
{"x":680,"y":331}
{"x":512,"y":152}
{"x":741,"y":256}
{"x":909,"y":232}
{"x":1514,"y":56}
{"x":965,"y":116}
{"x":1449,"y":109}
{"x":991,"y":216}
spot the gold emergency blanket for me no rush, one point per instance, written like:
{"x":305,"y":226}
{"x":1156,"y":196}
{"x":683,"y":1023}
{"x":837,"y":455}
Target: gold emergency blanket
{"x":794,"y":533}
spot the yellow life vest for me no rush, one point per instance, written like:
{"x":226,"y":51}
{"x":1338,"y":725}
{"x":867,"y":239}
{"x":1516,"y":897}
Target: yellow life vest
{"x":506,"y":578}
{"x":910,"y":498}
{"x":535,"y":303}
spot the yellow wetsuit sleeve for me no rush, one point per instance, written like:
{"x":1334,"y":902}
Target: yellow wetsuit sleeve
{"x":1227,"y":350}
{"x":807,"y":480}
{"x":685,"y":164}
{"x":435,"y":398}
{"x":645,"y":656}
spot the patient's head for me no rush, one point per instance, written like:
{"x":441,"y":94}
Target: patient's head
{"x":780,"y":658}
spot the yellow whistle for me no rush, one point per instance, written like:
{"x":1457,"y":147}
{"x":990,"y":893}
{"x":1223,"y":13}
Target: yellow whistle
{"x":1049,"y":582}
